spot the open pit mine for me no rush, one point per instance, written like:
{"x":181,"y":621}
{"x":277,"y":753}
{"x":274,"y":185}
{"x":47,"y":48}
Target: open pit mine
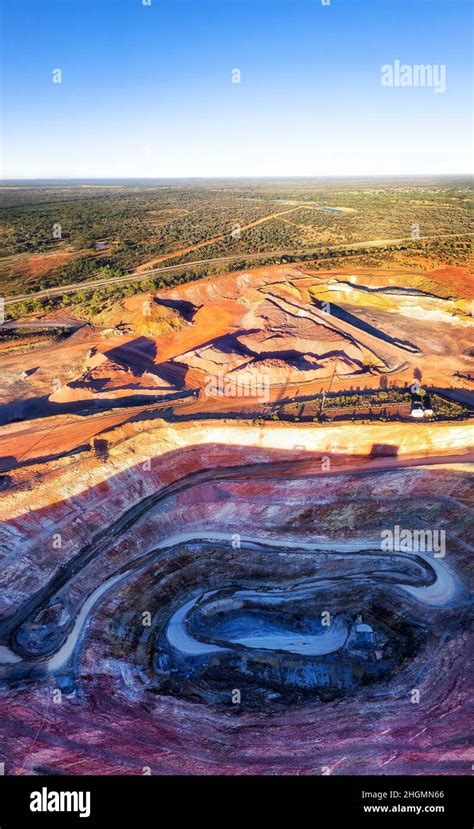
{"x":212,"y":562}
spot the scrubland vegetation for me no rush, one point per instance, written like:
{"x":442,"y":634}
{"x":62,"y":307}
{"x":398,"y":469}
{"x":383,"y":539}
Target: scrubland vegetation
{"x":107,"y":231}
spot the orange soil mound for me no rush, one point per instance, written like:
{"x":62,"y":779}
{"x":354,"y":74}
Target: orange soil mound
{"x":270,"y":322}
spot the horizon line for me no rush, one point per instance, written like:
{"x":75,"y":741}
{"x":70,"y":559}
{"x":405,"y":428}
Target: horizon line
{"x":9,"y":179}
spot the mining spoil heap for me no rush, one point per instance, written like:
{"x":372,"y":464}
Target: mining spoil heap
{"x":294,"y":330}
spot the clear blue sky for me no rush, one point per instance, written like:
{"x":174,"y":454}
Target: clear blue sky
{"x":147,"y":90}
